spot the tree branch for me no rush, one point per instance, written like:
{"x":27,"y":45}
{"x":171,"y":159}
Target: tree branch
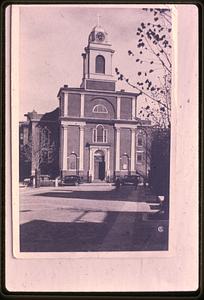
{"x":157,"y":55}
{"x":142,"y":92}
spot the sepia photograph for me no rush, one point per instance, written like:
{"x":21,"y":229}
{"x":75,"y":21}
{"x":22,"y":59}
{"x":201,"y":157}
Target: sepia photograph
{"x":94,"y":128}
{"x":102,"y":147}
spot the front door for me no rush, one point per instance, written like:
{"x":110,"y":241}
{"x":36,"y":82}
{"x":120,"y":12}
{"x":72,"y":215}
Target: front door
{"x":99,"y":166}
{"x":101,"y":170}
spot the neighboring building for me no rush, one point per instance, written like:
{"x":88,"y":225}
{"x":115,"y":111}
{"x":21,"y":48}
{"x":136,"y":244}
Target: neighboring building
{"x":39,"y":144}
{"x":100,"y":136}
{"x":24,"y":163}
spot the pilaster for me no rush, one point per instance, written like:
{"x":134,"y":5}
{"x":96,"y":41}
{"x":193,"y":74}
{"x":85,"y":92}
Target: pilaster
{"x":65,"y":141}
{"x":65,"y":104}
{"x":133,"y":108}
{"x":132,"y":161}
{"x":81,"y":148}
{"x":118,"y":107}
{"x":117,"y":156}
{"x":82,"y":106}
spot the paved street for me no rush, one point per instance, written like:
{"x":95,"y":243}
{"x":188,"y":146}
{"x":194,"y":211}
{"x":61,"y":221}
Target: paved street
{"x":88,"y":218}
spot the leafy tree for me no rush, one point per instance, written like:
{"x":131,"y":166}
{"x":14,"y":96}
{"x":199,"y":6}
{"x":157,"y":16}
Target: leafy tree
{"x":153,"y":59}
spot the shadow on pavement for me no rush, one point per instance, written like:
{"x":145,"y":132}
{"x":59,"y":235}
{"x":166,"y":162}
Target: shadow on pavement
{"x":122,"y":194}
{"x":131,"y":233}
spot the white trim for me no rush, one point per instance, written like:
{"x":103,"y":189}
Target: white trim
{"x":133,"y":108}
{"x":118,"y":107}
{"x":105,"y":135}
{"x":99,"y":112}
{"x":82,"y":106}
{"x":118,"y":126}
{"x":65,"y":140}
{"x":106,"y":150}
{"x":81,"y":148}
{"x":65,"y":104}
{"x":132,"y":161}
{"x":72,"y":123}
{"x":117,"y":156}
{"x":108,"y":93}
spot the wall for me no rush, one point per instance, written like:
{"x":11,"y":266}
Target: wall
{"x":108,"y":101}
{"x":74,"y":103}
{"x":126,"y":108}
{"x":100,"y":85}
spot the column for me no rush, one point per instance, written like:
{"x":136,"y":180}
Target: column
{"x":61,"y":148}
{"x":117,"y":156}
{"x":65,"y":139}
{"x":81,"y":148}
{"x":118,"y":107}
{"x":133,"y":108}
{"x":91,"y":163}
{"x":65,"y":104}
{"x":82,"y":106}
{"x":132,"y":161}
{"x":108,"y":162}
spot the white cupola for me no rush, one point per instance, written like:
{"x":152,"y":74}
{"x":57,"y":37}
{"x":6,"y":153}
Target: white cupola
{"x":97,"y":61}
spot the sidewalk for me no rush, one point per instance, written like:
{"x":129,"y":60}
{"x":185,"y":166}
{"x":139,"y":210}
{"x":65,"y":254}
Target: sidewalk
{"x":142,"y":194}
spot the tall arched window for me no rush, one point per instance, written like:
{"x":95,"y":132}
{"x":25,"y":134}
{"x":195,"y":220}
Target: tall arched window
{"x":100,"y":64}
{"x":45,"y":136}
{"x":125,"y":162}
{"x":72,"y":161}
{"x":99,"y":134}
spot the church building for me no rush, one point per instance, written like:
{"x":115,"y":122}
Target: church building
{"x":95,"y":130}
{"x":99,"y":130}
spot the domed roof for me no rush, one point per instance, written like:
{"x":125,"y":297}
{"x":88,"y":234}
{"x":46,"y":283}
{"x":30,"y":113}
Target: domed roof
{"x":98,"y":35}
{"x":98,"y":28}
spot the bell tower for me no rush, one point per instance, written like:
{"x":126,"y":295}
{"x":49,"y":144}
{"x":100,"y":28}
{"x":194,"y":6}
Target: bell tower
{"x":97,"y":62}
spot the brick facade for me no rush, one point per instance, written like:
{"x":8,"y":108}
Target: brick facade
{"x":105,"y":144}
{"x":96,"y":129}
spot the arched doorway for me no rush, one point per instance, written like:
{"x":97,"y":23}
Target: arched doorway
{"x":99,"y":165}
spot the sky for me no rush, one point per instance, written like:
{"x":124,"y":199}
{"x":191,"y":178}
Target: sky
{"x":52,"y":39}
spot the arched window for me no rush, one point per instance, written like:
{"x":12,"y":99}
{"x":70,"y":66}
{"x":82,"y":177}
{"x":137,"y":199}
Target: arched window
{"x":45,"y":136}
{"x":99,"y":134}
{"x":100,"y":64}
{"x":99,"y":108}
{"x":125,"y":162}
{"x":72,"y":162}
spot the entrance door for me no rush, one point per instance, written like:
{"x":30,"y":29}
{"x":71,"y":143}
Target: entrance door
{"x":99,"y":166}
